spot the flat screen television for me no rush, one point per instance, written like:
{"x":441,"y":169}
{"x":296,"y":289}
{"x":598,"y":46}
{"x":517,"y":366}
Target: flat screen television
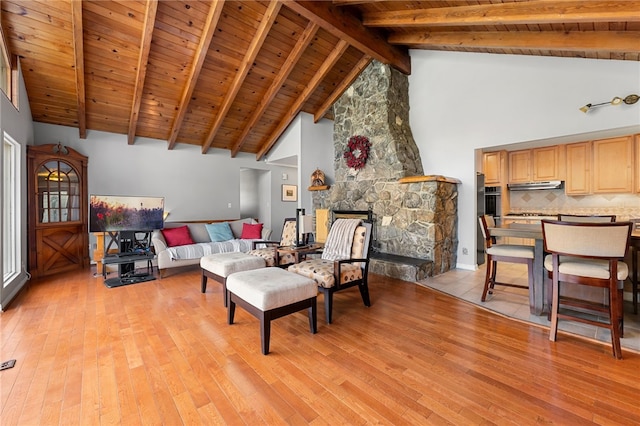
{"x":116,"y":213}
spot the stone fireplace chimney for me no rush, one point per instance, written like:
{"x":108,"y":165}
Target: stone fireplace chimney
{"x":377,"y":106}
{"x":415,"y":215}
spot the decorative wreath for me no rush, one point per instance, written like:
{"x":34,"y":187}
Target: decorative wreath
{"x":357,"y":152}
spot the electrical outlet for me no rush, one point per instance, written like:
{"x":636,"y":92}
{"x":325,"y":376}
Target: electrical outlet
{"x":7,"y":364}
{"x":229,"y":205}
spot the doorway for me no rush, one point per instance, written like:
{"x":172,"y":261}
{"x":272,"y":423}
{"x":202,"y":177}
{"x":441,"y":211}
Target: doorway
{"x":255,"y":194}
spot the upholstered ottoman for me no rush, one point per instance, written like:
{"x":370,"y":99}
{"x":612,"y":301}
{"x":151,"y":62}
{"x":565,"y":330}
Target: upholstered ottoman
{"x":271,"y":293}
{"x":220,"y":265}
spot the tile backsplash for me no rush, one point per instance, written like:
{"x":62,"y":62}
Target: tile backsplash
{"x":624,"y":206}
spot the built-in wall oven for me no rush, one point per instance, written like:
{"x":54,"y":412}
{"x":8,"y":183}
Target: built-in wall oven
{"x":493,"y":202}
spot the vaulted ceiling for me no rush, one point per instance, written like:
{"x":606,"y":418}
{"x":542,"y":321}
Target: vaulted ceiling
{"x":234,"y":74}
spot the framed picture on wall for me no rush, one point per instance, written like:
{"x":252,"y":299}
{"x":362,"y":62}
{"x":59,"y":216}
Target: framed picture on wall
{"x":289,"y":193}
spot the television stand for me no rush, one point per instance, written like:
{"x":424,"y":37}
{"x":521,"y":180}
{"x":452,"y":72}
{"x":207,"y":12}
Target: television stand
{"x":126,"y":263}
{"x":126,"y":269}
{"x":130,"y":247}
{"x":130,"y":279}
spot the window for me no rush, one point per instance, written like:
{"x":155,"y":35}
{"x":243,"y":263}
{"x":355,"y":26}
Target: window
{"x":11,"y":222}
{"x":5,"y":73}
{"x":58,"y":192}
{"x":8,"y":72}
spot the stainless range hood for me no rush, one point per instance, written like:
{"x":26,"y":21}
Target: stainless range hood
{"x":552,"y":184}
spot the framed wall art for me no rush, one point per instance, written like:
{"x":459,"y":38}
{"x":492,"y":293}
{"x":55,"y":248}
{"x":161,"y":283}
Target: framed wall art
{"x":289,"y":193}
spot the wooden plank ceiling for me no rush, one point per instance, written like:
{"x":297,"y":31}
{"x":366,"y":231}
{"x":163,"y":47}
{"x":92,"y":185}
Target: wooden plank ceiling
{"x":233,"y":75}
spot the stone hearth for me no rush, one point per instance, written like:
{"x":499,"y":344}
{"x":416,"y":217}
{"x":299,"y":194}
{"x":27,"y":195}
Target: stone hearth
{"x":415,"y":215}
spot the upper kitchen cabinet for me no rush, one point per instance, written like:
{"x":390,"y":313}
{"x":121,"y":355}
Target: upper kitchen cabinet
{"x":600,"y":167}
{"x":578,"y":180}
{"x":520,"y":166}
{"x":494,"y":167}
{"x":535,"y":165}
{"x":613,"y":165}
{"x":546,"y":163}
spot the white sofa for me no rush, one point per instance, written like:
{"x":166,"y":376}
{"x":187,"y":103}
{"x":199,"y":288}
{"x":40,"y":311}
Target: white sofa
{"x":178,"y":256}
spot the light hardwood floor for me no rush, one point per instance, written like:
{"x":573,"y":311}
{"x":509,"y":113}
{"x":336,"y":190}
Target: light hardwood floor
{"x":161,"y":352}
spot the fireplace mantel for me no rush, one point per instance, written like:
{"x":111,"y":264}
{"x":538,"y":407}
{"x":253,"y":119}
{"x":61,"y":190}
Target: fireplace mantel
{"x":428,"y":178}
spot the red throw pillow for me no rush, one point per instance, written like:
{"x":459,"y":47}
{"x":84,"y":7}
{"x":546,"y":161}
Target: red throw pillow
{"x":251,"y":231}
{"x":179,"y":236}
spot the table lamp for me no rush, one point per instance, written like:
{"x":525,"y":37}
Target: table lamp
{"x":304,"y":225}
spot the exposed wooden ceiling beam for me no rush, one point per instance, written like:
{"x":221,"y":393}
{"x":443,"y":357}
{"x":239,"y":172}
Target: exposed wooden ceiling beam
{"x":533,"y":12}
{"x":143,"y":59}
{"x":344,"y":85}
{"x":275,"y":87}
{"x":247,"y":62}
{"x":78,"y":57}
{"x":354,"y":2}
{"x":215,"y":10}
{"x":289,"y":115}
{"x":574,"y":41}
{"x":349,"y":28}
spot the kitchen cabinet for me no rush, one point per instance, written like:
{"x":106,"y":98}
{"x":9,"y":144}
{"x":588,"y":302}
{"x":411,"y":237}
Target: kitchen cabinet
{"x":535,"y":165}
{"x":494,"y":166}
{"x":600,"y":167}
{"x":545,"y":163}
{"x":520,"y":166}
{"x":613,"y":165}
{"x":578,"y":168}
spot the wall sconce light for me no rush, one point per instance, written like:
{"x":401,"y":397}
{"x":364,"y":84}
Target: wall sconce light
{"x":631,"y":99}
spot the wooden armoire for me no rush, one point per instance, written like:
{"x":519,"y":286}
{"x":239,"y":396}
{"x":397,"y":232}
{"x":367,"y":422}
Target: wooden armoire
{"x":58,"y":235}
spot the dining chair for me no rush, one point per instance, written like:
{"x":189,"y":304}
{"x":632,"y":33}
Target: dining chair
{"x":510,"y":253}
{"x":634,"y":246}
{"x":581,"y":219}
{"x":588,"y":254}
{"x":586,"y":218}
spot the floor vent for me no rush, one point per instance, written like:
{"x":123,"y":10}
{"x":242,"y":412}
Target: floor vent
{"x":7,"y":364}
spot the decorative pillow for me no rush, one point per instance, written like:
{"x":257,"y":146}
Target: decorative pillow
{"x":179,"y":236}
{"x":219,"y":231}
{"x":251,"y":231}
{"x":236,"y":226}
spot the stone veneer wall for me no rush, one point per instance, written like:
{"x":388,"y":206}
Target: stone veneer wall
{"x":421,"y":215}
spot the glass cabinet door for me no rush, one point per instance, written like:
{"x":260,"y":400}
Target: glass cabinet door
{"x":58,"y":193}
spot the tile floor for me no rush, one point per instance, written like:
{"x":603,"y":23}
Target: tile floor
{"x":514,"y":302}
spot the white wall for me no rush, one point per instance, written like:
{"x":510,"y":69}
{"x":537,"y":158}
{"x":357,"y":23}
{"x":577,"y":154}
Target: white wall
{"x":249,"y":193}
{"x":18,"y":123}
{"x":316,"y":153}
{"x":305,"y":146}
{"x":287,"y":154}
{"x":461,"y":102}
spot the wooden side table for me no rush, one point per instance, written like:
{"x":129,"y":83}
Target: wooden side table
{"x":300,"y":253}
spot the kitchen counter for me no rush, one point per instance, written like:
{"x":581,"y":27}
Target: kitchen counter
{"x":528,"y":217}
